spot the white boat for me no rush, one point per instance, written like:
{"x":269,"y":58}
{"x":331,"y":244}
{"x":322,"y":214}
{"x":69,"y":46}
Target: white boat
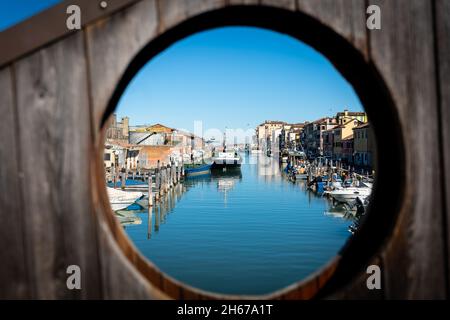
{"x":226,"y":159}
{"x":350,"y":194}
{"x":120,"y":199}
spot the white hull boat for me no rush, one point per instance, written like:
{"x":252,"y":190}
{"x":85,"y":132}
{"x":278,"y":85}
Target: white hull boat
{"x":120,"y":200}
{"x":350,"y":194}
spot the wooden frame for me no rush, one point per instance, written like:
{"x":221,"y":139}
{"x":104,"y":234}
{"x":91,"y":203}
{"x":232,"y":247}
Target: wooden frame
{"x":57,"y":92}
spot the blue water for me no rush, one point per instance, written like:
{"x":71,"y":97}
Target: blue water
{"x":245,"y":232}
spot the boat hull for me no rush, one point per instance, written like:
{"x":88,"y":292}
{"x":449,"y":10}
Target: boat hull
{"x":120,"y":199}
{"x":226,"y":164}
{"x":200,"y":170}
{"x":347,"y":196}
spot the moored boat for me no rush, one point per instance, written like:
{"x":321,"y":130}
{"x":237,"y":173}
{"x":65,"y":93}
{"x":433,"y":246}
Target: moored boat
{"x":226,"y":159}
{"x":350,"y":194}
{"x":193,"y":170}
{"x":120,"y":199}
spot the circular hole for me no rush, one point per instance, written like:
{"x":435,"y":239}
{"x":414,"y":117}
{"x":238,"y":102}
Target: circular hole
{"x":214,"y":249}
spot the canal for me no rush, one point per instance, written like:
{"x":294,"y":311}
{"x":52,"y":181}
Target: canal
{"x":249,"y":231}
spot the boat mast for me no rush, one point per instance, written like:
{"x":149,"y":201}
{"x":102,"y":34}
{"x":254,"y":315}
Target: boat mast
{"x":224,"y":140}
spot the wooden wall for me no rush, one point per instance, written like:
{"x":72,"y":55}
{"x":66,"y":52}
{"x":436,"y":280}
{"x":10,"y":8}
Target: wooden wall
{"x":54,"y":210}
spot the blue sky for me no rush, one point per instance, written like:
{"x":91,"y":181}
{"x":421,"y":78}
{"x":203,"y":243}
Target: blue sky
{"x":14,"y":11}
{"x":236,"y":77}
{"x":233,"y":77}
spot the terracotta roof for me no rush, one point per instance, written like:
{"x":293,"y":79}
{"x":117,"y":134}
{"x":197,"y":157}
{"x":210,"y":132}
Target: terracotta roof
{"x":351,"y":113}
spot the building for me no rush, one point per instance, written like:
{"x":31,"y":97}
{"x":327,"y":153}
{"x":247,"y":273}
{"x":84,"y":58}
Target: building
{"x":118,"y":131}
{"x":109,"y":157}
{"x":264,"y":133}
{"x":295,"y":136}
{"x":364,"y":146}
{"x":313,"y":135}
{"x":153,"y":135}
{"x":284,"y":136}
{"x":347,"y":150}
{"x":328,"y":143}
{"x":274,"y":145}
{"x":341,"y":134}
{"x":142,"y":146}
{"x":345,"y":116}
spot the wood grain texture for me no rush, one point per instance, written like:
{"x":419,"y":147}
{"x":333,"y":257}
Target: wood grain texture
{"x":55,"y":134}
{"x":442,"y":15}
{"x":14,"y":267}
{"x":111,"y":45}
{"x":243,"y":2}
{"x":172,"y":12}
{"x":403,"y":51}
{"x":49,"y":26}
{"x":120,"y":278}
{"x":285,"y":4}
{"x":357,"y":287}
{"x":346,"y":17}
{"x":47,"y":153}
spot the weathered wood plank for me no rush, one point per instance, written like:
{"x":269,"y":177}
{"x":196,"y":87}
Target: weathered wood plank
{"x":285,"y":4}
{"x":54,"y":132}
{"x":346,"y":17}
{"x":172,"y":12}
{"x":120,"y":278}
{"x":49,"y":25}
{"x":13,"y":269}
{"x":112,"y":43}
{"x":442,"y":14}
{"x":403,"y":51}
{"x":243,"y":2}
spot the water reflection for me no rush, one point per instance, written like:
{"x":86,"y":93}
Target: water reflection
{"x":246,"y":231}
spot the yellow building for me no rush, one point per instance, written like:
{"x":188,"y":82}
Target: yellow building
{"x":364,"y":145}
{"x":264,"y":132}
{"x":341,"y":133}
{"x":346,"y":116}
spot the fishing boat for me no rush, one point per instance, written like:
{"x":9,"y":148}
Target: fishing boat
{"x":226,"y":160}
{"x":194,"y":170}
{"x":120,"y":199}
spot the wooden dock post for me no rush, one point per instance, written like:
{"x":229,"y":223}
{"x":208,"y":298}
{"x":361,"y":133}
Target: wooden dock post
{"x":163,"y":179}
{"x":171,"y":175}
{"x":113,"y":175}
{"x":182,"y":167}
{"x":123,"y":179}
{"x":167,"y":178}
{"x":174,"y":180}
{"x":150,"y":191}
{"x":157,"y":181}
